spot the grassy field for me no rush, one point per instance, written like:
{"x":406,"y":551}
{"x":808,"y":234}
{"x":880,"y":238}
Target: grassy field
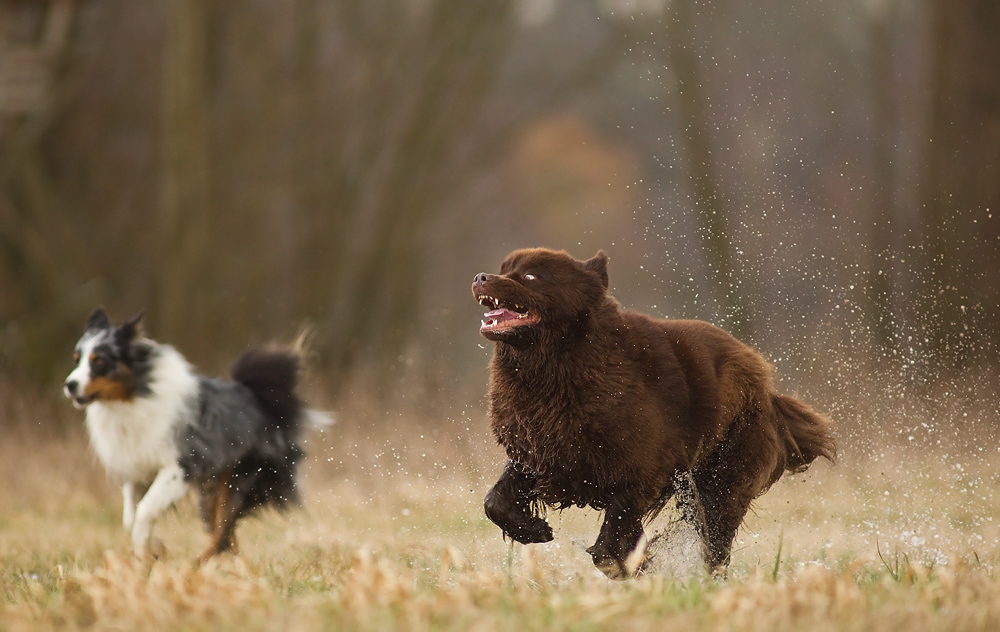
{"x":901,"y":535}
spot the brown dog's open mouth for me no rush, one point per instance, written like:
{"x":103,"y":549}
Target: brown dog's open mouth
{"x":505,"y":316}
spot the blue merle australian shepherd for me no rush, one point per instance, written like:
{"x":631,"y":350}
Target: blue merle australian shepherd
{"x":153,"y":420}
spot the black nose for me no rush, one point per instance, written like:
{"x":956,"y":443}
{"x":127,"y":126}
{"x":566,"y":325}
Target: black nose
{"x":481,"y":278}
{"x":71,"y":387}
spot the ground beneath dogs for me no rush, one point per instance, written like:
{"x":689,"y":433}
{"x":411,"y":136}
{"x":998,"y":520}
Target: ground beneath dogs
{"x":392,"y":536}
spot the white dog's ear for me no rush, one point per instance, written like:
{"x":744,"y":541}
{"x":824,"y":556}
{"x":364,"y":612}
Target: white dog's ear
{"x":598,"y":264}
{"x":126,"y":332}
{"x":98,"y":319}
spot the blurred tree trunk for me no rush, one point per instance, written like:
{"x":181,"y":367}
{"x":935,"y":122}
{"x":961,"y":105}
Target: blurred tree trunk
{"x":961,"y":213}
{"x":185,"y":208}
{"x":692,"y":109}
{"x":335,"y":136}
{"x":448,"y":80}
{"x":880,"y":289}
{"x":41,"y":259}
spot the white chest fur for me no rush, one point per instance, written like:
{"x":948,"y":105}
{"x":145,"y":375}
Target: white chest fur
{"x":135,"y":439}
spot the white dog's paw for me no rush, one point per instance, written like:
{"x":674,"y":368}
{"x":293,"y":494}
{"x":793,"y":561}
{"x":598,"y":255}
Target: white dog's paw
{"x":152,"y":549}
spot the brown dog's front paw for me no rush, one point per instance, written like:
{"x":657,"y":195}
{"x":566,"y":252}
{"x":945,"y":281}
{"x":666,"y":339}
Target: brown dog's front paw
{"x":519,"y":526}
{"x":516,"y":520}
{"x":534,"y":530}
{"x":509,"y":505}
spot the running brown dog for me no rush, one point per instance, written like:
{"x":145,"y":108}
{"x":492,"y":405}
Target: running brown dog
{"x":602,"y":406}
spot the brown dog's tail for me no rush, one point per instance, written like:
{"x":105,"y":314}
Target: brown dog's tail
{"x":807,"y":434}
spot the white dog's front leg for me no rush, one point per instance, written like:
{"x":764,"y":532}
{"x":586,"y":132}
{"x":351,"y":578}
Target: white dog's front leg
{"x":128,"y":504}
{"x":168,"y":487}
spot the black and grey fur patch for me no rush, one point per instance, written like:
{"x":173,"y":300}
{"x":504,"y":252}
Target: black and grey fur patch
{"x":248,"y":429}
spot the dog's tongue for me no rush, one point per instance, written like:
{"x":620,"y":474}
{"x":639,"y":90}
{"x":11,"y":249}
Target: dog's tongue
{"x":494,"y":318}
{"x":500,"y":314}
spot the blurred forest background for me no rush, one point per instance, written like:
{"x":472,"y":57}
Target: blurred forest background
{"x":818,"y":176}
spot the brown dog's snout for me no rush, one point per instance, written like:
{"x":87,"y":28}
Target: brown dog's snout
{"x":481,"y":279}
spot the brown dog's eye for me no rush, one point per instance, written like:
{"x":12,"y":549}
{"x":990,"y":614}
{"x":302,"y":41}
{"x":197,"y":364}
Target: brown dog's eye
{"x":98,"y":365}
{"x":529,"y":277}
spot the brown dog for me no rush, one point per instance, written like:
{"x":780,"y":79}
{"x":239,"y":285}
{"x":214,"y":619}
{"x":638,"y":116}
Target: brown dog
{"x":601,"y":406}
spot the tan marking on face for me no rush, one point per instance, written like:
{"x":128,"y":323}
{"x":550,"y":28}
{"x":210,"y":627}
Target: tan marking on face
{"x":115,"y":387}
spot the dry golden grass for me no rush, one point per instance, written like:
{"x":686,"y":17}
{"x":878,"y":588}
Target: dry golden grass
{"x":392,"y":536}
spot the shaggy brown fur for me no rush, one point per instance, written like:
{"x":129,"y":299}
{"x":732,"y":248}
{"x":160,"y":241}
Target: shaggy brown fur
{"x":601,"y":406}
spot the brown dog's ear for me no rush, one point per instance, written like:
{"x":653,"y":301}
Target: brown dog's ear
{"x":598,"y":264}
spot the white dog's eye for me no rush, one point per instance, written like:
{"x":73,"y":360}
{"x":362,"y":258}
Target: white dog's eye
{"x":529,"y":277}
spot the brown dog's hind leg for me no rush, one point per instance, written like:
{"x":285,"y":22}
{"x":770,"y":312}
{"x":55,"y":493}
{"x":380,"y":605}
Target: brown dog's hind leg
{"x":620,"y":534}
{"x":739,"y":471}
{"x":509,"y":506}
{"x":723,"y":517}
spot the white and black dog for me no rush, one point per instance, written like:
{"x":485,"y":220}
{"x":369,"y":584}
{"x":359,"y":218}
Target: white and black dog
{"x":153,"y":420}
